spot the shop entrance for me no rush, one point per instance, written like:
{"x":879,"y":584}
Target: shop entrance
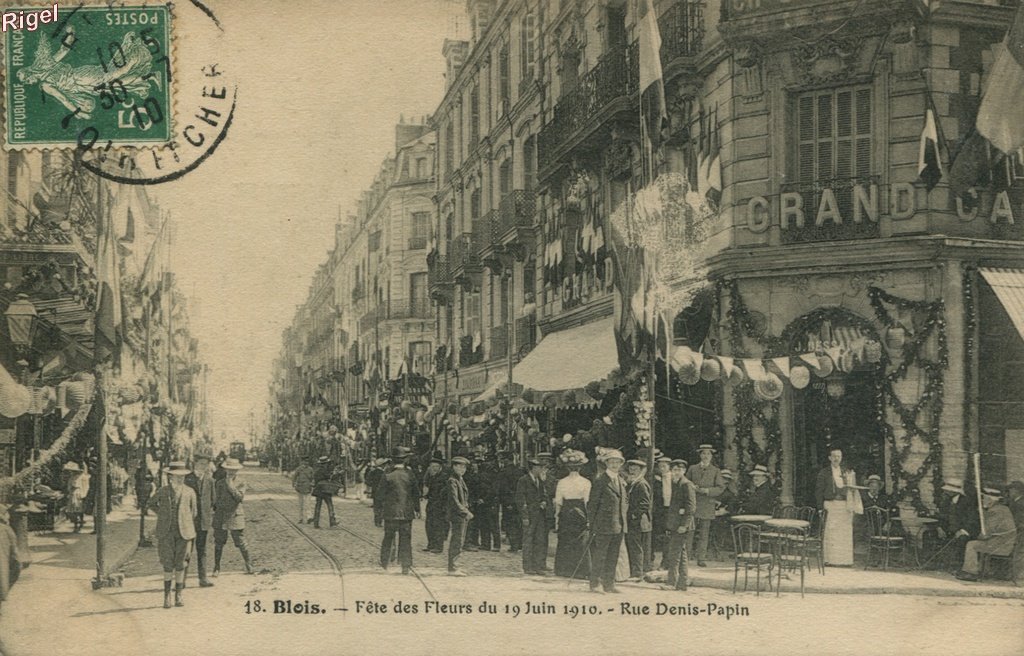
{"x":842,"y":409}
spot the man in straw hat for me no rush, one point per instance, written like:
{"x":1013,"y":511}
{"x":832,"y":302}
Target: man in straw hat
{"x":679,"y":527}
{"x":229,"y":517}
{"x":998,"y":538}
{"x":532,"y":503}
{"x":459,"y":513}
{"x":401,"y":504}
{"x":709,"y":483}
{"x":608,"y":516}
{"x":761,"y":499}
{"x":175,"y":506}
{"x":638,"y":534}
{"x":961,"y":521}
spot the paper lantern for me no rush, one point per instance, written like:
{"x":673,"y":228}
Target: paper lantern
{"x":568,"y":397}
{"x":895,"y":338}
{"x":15,"y":400}
{"x":768,"y":388}
{"x":710,"y":370}
{"x":550,"y":401}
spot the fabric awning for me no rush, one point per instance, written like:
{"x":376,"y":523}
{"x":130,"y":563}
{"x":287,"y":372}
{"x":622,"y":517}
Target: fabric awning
{"x":1008,"y":284}
{"x":569,"y":359}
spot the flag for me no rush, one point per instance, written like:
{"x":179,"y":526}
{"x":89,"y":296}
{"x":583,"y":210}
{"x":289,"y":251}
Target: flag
{"x":999,"y":117}
{"x":929,"y":163}
{"x":713,"y":192}
{"x":108,"y":328}
{"x":652,"y":86}
{"x":998,"y":125}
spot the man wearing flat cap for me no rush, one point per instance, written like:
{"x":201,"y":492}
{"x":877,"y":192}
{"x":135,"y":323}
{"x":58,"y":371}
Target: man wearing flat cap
{"x":679,"y":527}
{"x":638,"y":534}
{"x":997,"y":539}
{"x":710,"y":484}
{"x":435,"y":486}
{"x":608,"y":516}
{"x":662,"y":497}
{"x":400,"y":504}
{"x":459,"y":513}
{"x":532,"y":504}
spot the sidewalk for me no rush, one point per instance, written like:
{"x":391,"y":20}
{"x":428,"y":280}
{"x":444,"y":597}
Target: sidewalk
{"x":58,"y":585}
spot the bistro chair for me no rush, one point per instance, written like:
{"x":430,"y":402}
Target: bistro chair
{"x":791,"y":554}
{"x":987,"y":559}
{"x":785,"y":512}
{"x":814,"y":543}
{"x":807,"y":513}
{"x":749,"y":551}
{"x":881,"y":538}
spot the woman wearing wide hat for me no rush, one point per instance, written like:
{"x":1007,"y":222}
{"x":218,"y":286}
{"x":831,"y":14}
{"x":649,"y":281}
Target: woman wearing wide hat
{"x":175,"y":506}
{"x":571,"y":494}
{"x":77,"y":488}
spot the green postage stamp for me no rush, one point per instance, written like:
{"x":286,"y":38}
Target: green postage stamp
{"x":94,"y":76}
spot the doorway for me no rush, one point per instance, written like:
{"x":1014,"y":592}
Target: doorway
{"x":843,"y":409}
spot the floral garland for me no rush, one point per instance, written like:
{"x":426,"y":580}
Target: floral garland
{"x":751,"y":410}
{"x":970,"y":323}
{"x":54,"y":449}
{"x":931,"y":398}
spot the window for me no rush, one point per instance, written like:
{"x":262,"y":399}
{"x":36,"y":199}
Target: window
{"x":834,"y":134}
{"x":527,"y":45}
{"x":449,"y":149}
{"x":420,"y":355}
{"x":474,"y":205}
{"x":418,"y":299}
{"x":529,"y":162}
{"x":471,"y":312}
{"x":419,"y":230}
{"x":421,"y":168}
{"x":374,"y":242}
{"x":449,"y":226}
{"x":504,"y":84}
{"x":505,"y":177}
{"x":474,"y":115}
{"x":405,"y":169}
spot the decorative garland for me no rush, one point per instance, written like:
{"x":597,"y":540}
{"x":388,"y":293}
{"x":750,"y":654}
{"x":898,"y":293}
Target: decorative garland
{"x":55,"y":449}
{"x":752,"y":411}
{"x":931,"y":397}
{"x":970,"y":323}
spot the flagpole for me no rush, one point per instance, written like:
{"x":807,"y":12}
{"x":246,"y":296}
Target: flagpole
{"x":100,"y":406}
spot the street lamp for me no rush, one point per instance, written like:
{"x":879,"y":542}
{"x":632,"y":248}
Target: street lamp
{"x":21,"y":322}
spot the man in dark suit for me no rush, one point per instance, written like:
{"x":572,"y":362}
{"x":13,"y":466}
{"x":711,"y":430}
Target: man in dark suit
{"x":607,"y":514}
{"x":962,"y":522}
{"x":399,"y":506}
{"x":458,"y":513}
{"x":662,"y":496}
{"x":486,"y":511}
{"x":532,"y":503}
{"x":638,"y":535}
{"x":874,"y":497}
{"x":202,"y":483}
{"x":228,"y":515}
{"x":435,"y":485}
{"x":679,"y":523}
{"x":508,"y":477}
{"x":761,"y":499}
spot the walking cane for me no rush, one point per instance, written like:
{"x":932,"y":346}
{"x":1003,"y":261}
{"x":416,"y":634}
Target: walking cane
{"x":936,"y":554}
{"x":586,"y":552}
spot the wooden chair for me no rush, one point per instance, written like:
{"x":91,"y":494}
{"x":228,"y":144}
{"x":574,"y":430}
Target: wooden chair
{"x":881,"y":538}
{"x":814,"y":543}
{"x":749,"y":552}
{"x":985,"y":559}
{"x":791,"y":555}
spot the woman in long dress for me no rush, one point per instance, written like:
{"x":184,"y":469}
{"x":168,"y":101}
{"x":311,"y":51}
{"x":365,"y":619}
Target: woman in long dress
{"x":571,"y":494}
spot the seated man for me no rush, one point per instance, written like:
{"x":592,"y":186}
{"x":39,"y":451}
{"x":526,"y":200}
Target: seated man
{"x":997,"y":539}
{"x":875,"y":496}
{"x":761,"y":499}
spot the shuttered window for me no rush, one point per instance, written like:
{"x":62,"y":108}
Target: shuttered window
{"x":833,"y":152}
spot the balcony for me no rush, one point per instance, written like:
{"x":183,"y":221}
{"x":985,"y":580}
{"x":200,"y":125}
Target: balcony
{"x":682,"y":32}
{"x":604,"y":92}
{"x":464,"y":252}
{"x":417,"y":243}
{"x":845,"y":227}
{"x":439,"y":278}
{"x":514,"y":220}
{"x":413,"y":308}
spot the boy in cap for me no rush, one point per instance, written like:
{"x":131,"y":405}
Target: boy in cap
{"x":998,"y":538}
{"x":608,"y":516}
{"x":175,"y":506}
{"x":679,"y":527}
{"x":710,"y":484}
{"x":638,"y":535}
{"x":458,"y":513}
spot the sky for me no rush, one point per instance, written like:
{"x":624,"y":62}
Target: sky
{"x":321,"y":85}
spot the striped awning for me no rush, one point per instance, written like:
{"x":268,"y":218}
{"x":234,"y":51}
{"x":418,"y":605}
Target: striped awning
{"x":1008,"y":284}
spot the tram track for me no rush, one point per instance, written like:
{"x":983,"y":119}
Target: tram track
{"x":335,"y":562}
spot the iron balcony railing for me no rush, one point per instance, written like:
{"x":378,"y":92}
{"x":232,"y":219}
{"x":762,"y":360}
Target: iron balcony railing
{"x":515,"y":210}
{"x":682,"y":30}
{"x":439,"y":271}
{"x":415,"y":308}
{"x":615,"y":75}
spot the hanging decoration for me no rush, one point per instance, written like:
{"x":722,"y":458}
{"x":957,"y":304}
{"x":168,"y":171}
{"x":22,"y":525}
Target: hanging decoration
{"x":970,"y":324}
{"x":643,"y":407}
{"x":55,"y":449}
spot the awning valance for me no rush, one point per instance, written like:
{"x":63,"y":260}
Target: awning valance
{"x":569,"y":359}
{"x":1008,"y":284}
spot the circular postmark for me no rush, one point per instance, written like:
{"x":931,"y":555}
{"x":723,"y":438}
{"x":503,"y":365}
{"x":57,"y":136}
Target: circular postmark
{"x":140,"y":92}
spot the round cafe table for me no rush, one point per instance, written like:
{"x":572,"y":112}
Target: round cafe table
{"x":787,"y":523}
{"x":913,"y":528}
{"x":750,"y":519}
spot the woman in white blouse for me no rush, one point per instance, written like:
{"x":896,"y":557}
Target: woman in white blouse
{"x":571,"y":496}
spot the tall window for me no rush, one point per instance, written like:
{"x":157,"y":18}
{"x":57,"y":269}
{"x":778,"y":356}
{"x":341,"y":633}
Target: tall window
{"x":419,"y":230}
{"x":449,"y":149}
{"x":418,"y":299}
{"x":421,"y":357}
{"x":421,"y":167}
{"x":834,"y":144}
{"x":504,"y":83}
{"x":474,"y":115}
{"x":471,"y":312}
{"x":474,"y":204}
{"x":529,"y":162}
{"x":505,"y":177}
{"x":527,"y":45}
